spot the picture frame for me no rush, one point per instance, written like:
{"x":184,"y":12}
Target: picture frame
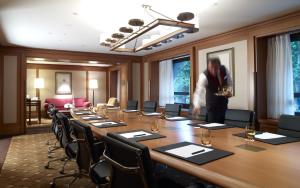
{"x":226,"y":57}
{"x":63,"y":83}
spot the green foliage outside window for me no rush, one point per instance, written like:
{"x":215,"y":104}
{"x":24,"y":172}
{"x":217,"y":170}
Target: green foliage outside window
{"x":181,"y":75}
{"x":295,"y":45}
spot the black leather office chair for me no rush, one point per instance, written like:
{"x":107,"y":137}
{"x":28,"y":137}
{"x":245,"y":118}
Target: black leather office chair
{"x":132,"y":105}
{"x":289,"y":125}
{"x":134,"y":168}
{"x":51,"y":113}
{"x":172,"y":110}
{"x":150,"y":106}
{"x":57,"y":131}
{"x":66,"y":142}
{"x":239,"y":118}
{"x":128,"y":169}
{"x":202,"y":116}
{"x":88,"y":155}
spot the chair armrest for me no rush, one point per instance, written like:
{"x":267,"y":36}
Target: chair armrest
{"x":100,"y":173}
{"x":87,"y":104}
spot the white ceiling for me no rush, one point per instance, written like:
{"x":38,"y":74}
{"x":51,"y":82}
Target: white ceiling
{"x":78,"y":25}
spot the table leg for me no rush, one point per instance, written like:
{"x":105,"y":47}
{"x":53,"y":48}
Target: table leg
{"x":29,"y":114}
{"x":39,"y":112}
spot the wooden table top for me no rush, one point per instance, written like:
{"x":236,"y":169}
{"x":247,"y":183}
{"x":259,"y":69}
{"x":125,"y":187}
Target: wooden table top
{"x":276,"y":166}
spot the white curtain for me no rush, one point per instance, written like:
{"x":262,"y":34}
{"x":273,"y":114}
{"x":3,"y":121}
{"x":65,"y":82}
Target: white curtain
{"x":166,"y":88}
{"x":280,"y":92}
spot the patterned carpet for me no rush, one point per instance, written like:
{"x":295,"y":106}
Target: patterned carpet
{"x":25,"y":161}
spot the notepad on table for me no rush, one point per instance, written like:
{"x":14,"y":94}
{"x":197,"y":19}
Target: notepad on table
{"x":189,"y":151}
{"x":267,"y":135}
{"x":130,"y":110}
{"x":135,"y":134}
{"x":90,"y":117}
{"x":152,"y":114}
{"x":175,"y":118}
{"x":211,"y":125}
{"x":104,"y":123}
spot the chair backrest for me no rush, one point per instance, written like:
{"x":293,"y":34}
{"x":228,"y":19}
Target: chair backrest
{"x":173,"y":110}
{"x":202,"y":116}
{"x":133,"y":168}
{"x":86,"y":153}
{"x":112,"y":101}
{"x":289,"y":125}
{"x":238,"y":118}
{"x":150,"y":106}
{"x":51,"y":110}
{"x":55,"y":126}
{"x":132,"y":105}
{"x":203,"y":113}
{"x":63,"y":121}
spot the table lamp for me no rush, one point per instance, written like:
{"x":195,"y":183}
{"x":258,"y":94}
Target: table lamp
{"x":39,"y":84}
{"x":93,"y":84}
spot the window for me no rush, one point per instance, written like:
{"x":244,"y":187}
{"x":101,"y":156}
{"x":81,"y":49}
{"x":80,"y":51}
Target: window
{"x":295,"y":45}
{"x":181,"y":80}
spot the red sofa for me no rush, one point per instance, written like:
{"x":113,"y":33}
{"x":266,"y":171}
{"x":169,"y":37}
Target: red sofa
{"x":59,"y":103}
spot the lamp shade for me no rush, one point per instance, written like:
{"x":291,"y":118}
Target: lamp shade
{"x":39,"y":83}
{"x":93,"y":84}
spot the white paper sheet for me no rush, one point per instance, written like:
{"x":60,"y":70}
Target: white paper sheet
{"x":267,"y":135}
{"x":186,"y":151}
{"x":212,"y":125}
{"x":89,"y":117}
{"x":130,"y":110}
{"x":104,"y":123}
{"x":152,"y":114}
{"x":135,"y":134}
{"x":175,"y":118}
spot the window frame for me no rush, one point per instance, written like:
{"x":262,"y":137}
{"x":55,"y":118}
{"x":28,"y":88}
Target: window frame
{"x":179,"y":60}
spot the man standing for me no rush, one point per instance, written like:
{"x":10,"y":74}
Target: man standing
{"x":213,"y":87}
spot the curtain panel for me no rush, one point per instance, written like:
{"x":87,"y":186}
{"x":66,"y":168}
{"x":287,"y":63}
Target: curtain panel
{"x":166,"y":88}
{"x":280,"y":92}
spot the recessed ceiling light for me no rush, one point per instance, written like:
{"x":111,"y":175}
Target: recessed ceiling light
{"x":75,"y":13}
{"x":39,"y":59}
{"x":93,"y":62}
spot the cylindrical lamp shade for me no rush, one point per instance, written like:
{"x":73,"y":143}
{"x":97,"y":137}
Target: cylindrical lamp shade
{"x":39,"y":83}
{"x":93,"y":84}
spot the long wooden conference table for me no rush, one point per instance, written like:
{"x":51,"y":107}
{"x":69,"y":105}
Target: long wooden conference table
{"x":275,"y":166}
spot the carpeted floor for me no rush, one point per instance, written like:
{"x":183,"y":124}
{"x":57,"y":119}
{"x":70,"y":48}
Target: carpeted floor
{"x":25,"y":161}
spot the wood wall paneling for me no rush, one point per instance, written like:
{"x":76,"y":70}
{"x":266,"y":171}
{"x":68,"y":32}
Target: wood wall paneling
{"x":1,"y":90}
{"x":73,"y":55}
{"x":142,"y":86}
{"x":154,"y":81}
{"x":261,"y":91}
{"x":113,"y":84}
{"x":124,"y":78}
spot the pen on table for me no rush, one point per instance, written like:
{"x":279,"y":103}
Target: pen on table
{"x":200,"y":151}
{"x":140,"y":135}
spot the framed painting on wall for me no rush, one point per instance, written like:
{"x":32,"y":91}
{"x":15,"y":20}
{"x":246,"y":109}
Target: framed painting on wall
{"x":63,"y":83}
{"x":227,"y":59}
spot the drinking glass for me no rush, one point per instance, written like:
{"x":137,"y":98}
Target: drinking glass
{"x":249,"y":133}
{"x":206,"y":137}
{"x":155,"y":126}
{"x":140,"y":115}
{"x":121,"y":117}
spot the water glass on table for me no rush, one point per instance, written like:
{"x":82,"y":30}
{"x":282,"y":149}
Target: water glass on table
{"x":249,"y":133}
{"x":206,"y":137}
